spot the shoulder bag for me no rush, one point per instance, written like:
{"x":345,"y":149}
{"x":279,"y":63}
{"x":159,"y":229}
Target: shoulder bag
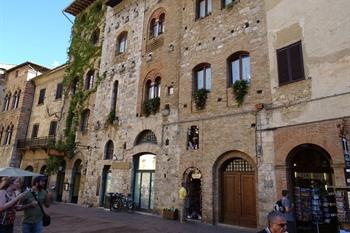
{"x":46,"y":218}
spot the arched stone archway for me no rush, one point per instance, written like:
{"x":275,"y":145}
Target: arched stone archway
{"x":75,"y":183}
{"x":235,"y":190}
{"x":60,"y":180}
{"x":192,"y":178}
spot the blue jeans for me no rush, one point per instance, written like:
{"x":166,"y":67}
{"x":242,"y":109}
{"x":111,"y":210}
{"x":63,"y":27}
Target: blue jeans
{"x":32,"y":227}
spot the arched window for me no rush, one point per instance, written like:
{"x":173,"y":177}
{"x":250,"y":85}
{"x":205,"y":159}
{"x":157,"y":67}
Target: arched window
{"x":122,"y":43}
{"x":84,"y":120}
{"x":109,"y":150}
{"x":146,"y":136}
{"x":114,"y":96}
{"x":8,"y":136}
{"x":153,"y":88}
{"x":16,"y":100}
{"x":89,"y":80}
{"x":156,"y":25}
{"x":202,"y":77}
{"x":7,"y":102}
{"x":239,"y":67}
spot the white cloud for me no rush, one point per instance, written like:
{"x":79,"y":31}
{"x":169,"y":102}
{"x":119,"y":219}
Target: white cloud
{"x":55,"y":64}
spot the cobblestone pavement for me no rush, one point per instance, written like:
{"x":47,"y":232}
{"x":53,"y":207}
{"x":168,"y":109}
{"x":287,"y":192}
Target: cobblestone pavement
{"x":67,"y":218}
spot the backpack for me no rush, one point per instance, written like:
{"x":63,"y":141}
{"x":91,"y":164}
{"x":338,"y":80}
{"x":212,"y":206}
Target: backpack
{"x":279,"y":207}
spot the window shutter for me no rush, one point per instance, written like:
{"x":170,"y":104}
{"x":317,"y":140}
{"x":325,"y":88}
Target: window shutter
{"x":296,"y":60}
{"x":282,"y":63}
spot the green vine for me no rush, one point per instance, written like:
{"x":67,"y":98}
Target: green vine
{"x":111,"y":117}
{"x":200,"y":98}
{"x":151,"y":106}
{"x":83,"y":55}
{"x":52,"y":165}
{"x":240,"y":89}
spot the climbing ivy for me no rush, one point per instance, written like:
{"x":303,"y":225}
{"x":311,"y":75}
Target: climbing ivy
{"x":83,"y":55}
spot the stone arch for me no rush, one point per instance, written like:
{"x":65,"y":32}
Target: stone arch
{"x":146,"y":136}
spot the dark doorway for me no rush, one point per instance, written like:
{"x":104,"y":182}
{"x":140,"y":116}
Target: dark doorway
{"x":106,"y":185}
{"x":60,"y":181}
{"x":238,"y":206}
{"x":76,"y":175}
{"x":193,"y":202}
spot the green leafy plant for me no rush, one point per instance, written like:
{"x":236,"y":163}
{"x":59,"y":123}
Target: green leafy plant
{"x":52,"y":165}
{"x":151,"y":106}
{"x":240,"y":90}
{"x":111,"y":117}
{"x":171,"y":209}
{"x":200,"y":98}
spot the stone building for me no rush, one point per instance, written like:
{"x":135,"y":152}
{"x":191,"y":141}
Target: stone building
{"x":164,"y":111}
{"x":44,"y":125}
{"x":308,"y":120}
{"x":15,"y":109}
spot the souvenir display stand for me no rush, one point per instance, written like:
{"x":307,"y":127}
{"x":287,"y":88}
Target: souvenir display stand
{"x":342,"y":197}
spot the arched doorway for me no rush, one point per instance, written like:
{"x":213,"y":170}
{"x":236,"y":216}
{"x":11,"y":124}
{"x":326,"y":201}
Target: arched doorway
{"x":27,"y":181}
{"x":192,"y":178}
{"x":105,"y":185}
{"x":76,"y":174}
{"x":238,"y":196}
{"x":145,"y":166}
{"x":60,"y":180}
{"x":309,"y":176}
{"x":43,"y":172}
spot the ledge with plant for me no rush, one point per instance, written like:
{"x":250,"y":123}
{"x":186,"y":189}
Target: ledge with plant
{"x":200,"y":98}
{"x":170,"y":213}
{"x":151,"y":106}
{"x":240,"y":90}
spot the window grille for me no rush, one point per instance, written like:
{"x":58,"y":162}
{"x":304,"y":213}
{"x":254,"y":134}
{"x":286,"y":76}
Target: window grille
{"x":239,"y":165}
{"x":146,"y":136}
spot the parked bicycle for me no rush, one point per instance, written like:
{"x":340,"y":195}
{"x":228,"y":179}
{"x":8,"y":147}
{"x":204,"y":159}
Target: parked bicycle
{"x":121,"y":202}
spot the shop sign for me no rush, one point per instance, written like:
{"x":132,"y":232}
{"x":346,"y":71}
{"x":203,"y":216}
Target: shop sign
{"x":316,"y":176}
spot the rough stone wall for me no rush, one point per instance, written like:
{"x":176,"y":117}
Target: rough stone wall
{"x":224,"y":126}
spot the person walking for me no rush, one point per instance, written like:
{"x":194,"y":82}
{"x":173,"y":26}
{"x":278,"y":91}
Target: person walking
{"x":182,"y":197}
{"x":288,"y":211}
{"x":277,"y":223}
{"x":8,"y":202}
{"x":32,"y":219}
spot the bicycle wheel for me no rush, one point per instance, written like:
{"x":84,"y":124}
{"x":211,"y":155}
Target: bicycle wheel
{"x":117,"y":205}
{"x":130,"y":206}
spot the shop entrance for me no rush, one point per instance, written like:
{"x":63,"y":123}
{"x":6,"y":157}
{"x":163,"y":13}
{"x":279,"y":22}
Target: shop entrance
{"x":238,"y":205}
{"x":106,"y":186}
{"x":144,"y":181}
{"x":76,"y":174}
{"x":310,"y":175}
{"x":192,"y":178}
{"x":60,"y":181}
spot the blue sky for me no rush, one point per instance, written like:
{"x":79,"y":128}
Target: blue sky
{"x":35,"y":31}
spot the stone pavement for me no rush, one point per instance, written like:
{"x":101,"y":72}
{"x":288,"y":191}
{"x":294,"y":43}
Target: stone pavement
{"x":67,"y":218}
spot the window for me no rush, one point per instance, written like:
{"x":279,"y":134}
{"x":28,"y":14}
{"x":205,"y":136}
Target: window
{"x":193,"y":138}
{"x":95,"y":36}
{"x":109,"y":150}
{"x":1,"y":133}
{"x":239,"y":67}
{"x":202,"y":77}
{"x":89,"y":80}
{"x":204,"y":8}
{"x":6,"y":102}
{"x":59,"y":90}
{"x":35,"y":130}
{"x":53,"y":128}
{"x":122,"y":43}
{"x":17,"y":72}
{"x":114,"y":97}
{"x":74,"y":86}
{"x":42,"y":96}
{"x":16,"y":99}
{"x":84,"y":120}
{"x":8,"y":136}
{"x":157,"y":26}
{"x":227,"y":2}
{"x":290,"y":63}
{"x":153,"y":88}
{"x":146,"y":136}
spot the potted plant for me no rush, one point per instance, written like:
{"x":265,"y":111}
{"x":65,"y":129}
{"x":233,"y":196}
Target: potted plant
{"x":170,"y":213}
{"x":240,"y":89}
{"x":200,"y":98}
{"x":151,"y":106}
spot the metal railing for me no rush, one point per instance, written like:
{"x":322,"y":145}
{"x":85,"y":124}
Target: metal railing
{"x":32,"y":143}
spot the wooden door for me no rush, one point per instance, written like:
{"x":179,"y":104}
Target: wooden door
{"x":239,"y":204}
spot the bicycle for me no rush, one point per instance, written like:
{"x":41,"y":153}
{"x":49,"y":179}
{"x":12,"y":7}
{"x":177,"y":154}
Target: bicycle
{"x":121,"y":202}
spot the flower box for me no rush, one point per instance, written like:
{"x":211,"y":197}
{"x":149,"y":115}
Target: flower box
{"x":171,"y":214}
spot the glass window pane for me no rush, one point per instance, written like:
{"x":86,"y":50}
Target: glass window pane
{"x":200,"y":83}
{"x":208,"y":78}
{"x":147,"y":162}
{"x":145,"y":190}
{"x":246,"y":68}
{"x":150,"y":92}
{"x":209,"y":7}
{"x":137,"y":189}
{"x":227,"y":2}
{"x":202,"y":9}
{"x":235,"y":71}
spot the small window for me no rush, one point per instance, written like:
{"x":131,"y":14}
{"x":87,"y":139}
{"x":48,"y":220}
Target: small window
{"x":95,"y":36}
{"x":170,"y":90}
{"x":109,"y":150}
{"x":122,"y":43}
{"x":239,"y":67}
{"x":59,"y":91}
{"x":89,"y":80}
{"x":114,"y":97}
{"x":53,"y":128}
{"x":226,"y":3}
{"x":153,"y":88}
{"x":42,"y":96}
{"x":202,"y":77}
{"x":8,"y":136}
{"x":146,"y":136}
{"x":35,"y":131}
{"x":84,"y":120}
{"x":1,"y":133}
{"x":16,"y":75}
{"x":204,"y":8}
{"x":290,"y":63}
{"x":16,"y":100}
{"x":193,"y":138}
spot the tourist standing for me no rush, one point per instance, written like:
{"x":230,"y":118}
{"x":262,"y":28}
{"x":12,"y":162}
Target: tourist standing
{"x":182,"y":197}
